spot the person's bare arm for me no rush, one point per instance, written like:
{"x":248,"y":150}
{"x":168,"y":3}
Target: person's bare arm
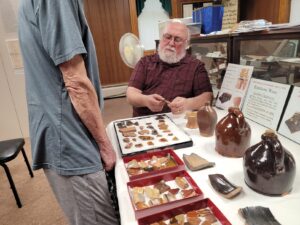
{"x":84,"y":99}
{"x":180,"y":104}
{"x":196,"y":102}
{"x":135,"y":97}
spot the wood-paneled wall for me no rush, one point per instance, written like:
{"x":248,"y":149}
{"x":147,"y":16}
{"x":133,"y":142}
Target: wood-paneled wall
{"x":109,"y":20}
{"x":275,"y":11}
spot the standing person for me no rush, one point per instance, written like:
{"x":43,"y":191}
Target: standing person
{"x":68,"y":137}
{"x":170,"y":75}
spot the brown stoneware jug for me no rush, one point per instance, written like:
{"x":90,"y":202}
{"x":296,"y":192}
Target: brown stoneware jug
{"x":192,"y":120}
{"x":233,"y":134}
{"x":207,"y":119}
{"x":269,"y":168}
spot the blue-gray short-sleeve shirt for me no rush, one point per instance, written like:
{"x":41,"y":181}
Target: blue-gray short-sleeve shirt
{"x":52,"y":32}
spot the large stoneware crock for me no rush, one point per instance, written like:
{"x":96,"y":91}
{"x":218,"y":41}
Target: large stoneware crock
{"x":233,"y":134}
{"x":268,"y":167}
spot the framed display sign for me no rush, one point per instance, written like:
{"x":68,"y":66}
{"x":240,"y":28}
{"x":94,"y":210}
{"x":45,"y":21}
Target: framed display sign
{"x":264,"y":102}
{"x":234,"y":86}
{"x":290,"y":123}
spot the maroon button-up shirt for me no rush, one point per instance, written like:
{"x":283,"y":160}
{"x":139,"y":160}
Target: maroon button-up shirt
{"x":187,"y":78}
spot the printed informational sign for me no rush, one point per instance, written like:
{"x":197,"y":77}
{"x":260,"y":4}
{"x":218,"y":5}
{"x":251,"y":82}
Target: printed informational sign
{"x":290,"y":123}
{"x":230,"y":17}
{"x":265,"y":101}
{"x":234,"y":86}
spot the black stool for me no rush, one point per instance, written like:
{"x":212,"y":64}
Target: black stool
{"x":8,"y":151}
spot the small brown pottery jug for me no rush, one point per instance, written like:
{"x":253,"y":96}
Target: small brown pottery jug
{"x":192,"y":120}
{"x":207,"y":119}
{"x":233,"y":134}
{"x":268,"y":167}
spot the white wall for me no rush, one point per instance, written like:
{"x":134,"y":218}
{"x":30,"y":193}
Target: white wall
{"x":13,"y":113}
{"x":295,"y":9}
{"x":148,"y":20}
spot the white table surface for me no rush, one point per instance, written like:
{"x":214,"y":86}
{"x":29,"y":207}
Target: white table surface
{"x":285,"y":208}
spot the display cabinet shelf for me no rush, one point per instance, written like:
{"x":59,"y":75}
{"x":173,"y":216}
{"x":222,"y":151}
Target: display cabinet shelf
{"x":274,"y":54}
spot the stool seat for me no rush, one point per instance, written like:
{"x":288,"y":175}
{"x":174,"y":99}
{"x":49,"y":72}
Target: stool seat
{"x":10,"y":149}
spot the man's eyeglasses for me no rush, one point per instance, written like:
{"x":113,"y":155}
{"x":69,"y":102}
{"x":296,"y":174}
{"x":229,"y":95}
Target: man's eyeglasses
{"x":169,"y":37}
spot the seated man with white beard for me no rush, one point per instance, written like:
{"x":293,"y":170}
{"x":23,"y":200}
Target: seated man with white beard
{"x":170,"y":80}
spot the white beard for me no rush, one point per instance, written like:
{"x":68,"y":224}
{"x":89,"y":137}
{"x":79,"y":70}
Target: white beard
{"x":168,"y":54}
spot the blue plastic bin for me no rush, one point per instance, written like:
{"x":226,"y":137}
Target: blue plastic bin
{"x":210,"y":17}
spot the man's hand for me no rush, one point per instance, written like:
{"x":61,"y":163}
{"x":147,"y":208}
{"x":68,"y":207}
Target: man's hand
{"x":178,"y":105}
{"x":108,"y":155}
{"x":154,"y":102}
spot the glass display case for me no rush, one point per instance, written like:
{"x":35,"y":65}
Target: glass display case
{"x":214,"y":52}
{"x":275,"y":56}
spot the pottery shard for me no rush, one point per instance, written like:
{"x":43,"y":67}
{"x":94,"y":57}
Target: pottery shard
{"x":223,"y":186}
{"x":141,"y":205}
{"x":203,"y":212}
{"x":225,"y":97}
{"x":129,"y":145}
{"x":187,"y":193}
{"x":126,"y":140}
{"x":192,"y":213}
{"x":129,"y":134}
{"x":162,"y":187}
{"x":174,"y":191}
{"x":181,"y":182}
{"x":210,"y":219}
{"x":138,"y":197}
{"x":195,"y":162}
{"x":152,"y":193}
{"x":175,"y":139}
{"x":163,"y":126}
{"x":134,"y":171}
{"x":127,"y":129}
{"x":180,"y":218}
{"x":133,"y":164}
{"x":293,"y":123}
{"x":194,"y":220}
{"x":258,"y":215}
{"x":146,"y":137}
{"x":143,"y":132}
{"x":150,"y":143}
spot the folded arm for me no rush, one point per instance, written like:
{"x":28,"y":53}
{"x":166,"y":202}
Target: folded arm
{"x":85,"y":101}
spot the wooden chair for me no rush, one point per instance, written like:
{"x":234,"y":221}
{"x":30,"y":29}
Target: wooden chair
{"x":9,"y":150}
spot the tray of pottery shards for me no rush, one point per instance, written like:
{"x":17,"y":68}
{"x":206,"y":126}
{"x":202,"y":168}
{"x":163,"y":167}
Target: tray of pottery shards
{"x":202,"y":212}
{"x":149,"y":132}
{"x":152,"y":163}
{"x":156,"y":193}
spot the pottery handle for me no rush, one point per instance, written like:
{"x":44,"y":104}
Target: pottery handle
{"x":278,"y":153}
{"x":238,"y":114}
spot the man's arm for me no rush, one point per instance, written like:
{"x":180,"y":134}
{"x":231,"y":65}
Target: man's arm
{"x":180,"y":104}
{"x":135,"y":98}
{"x":196,"y":102}
{"x":85,"y":101}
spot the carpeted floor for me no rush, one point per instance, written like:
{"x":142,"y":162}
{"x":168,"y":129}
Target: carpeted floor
{"x":39,"y":204}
